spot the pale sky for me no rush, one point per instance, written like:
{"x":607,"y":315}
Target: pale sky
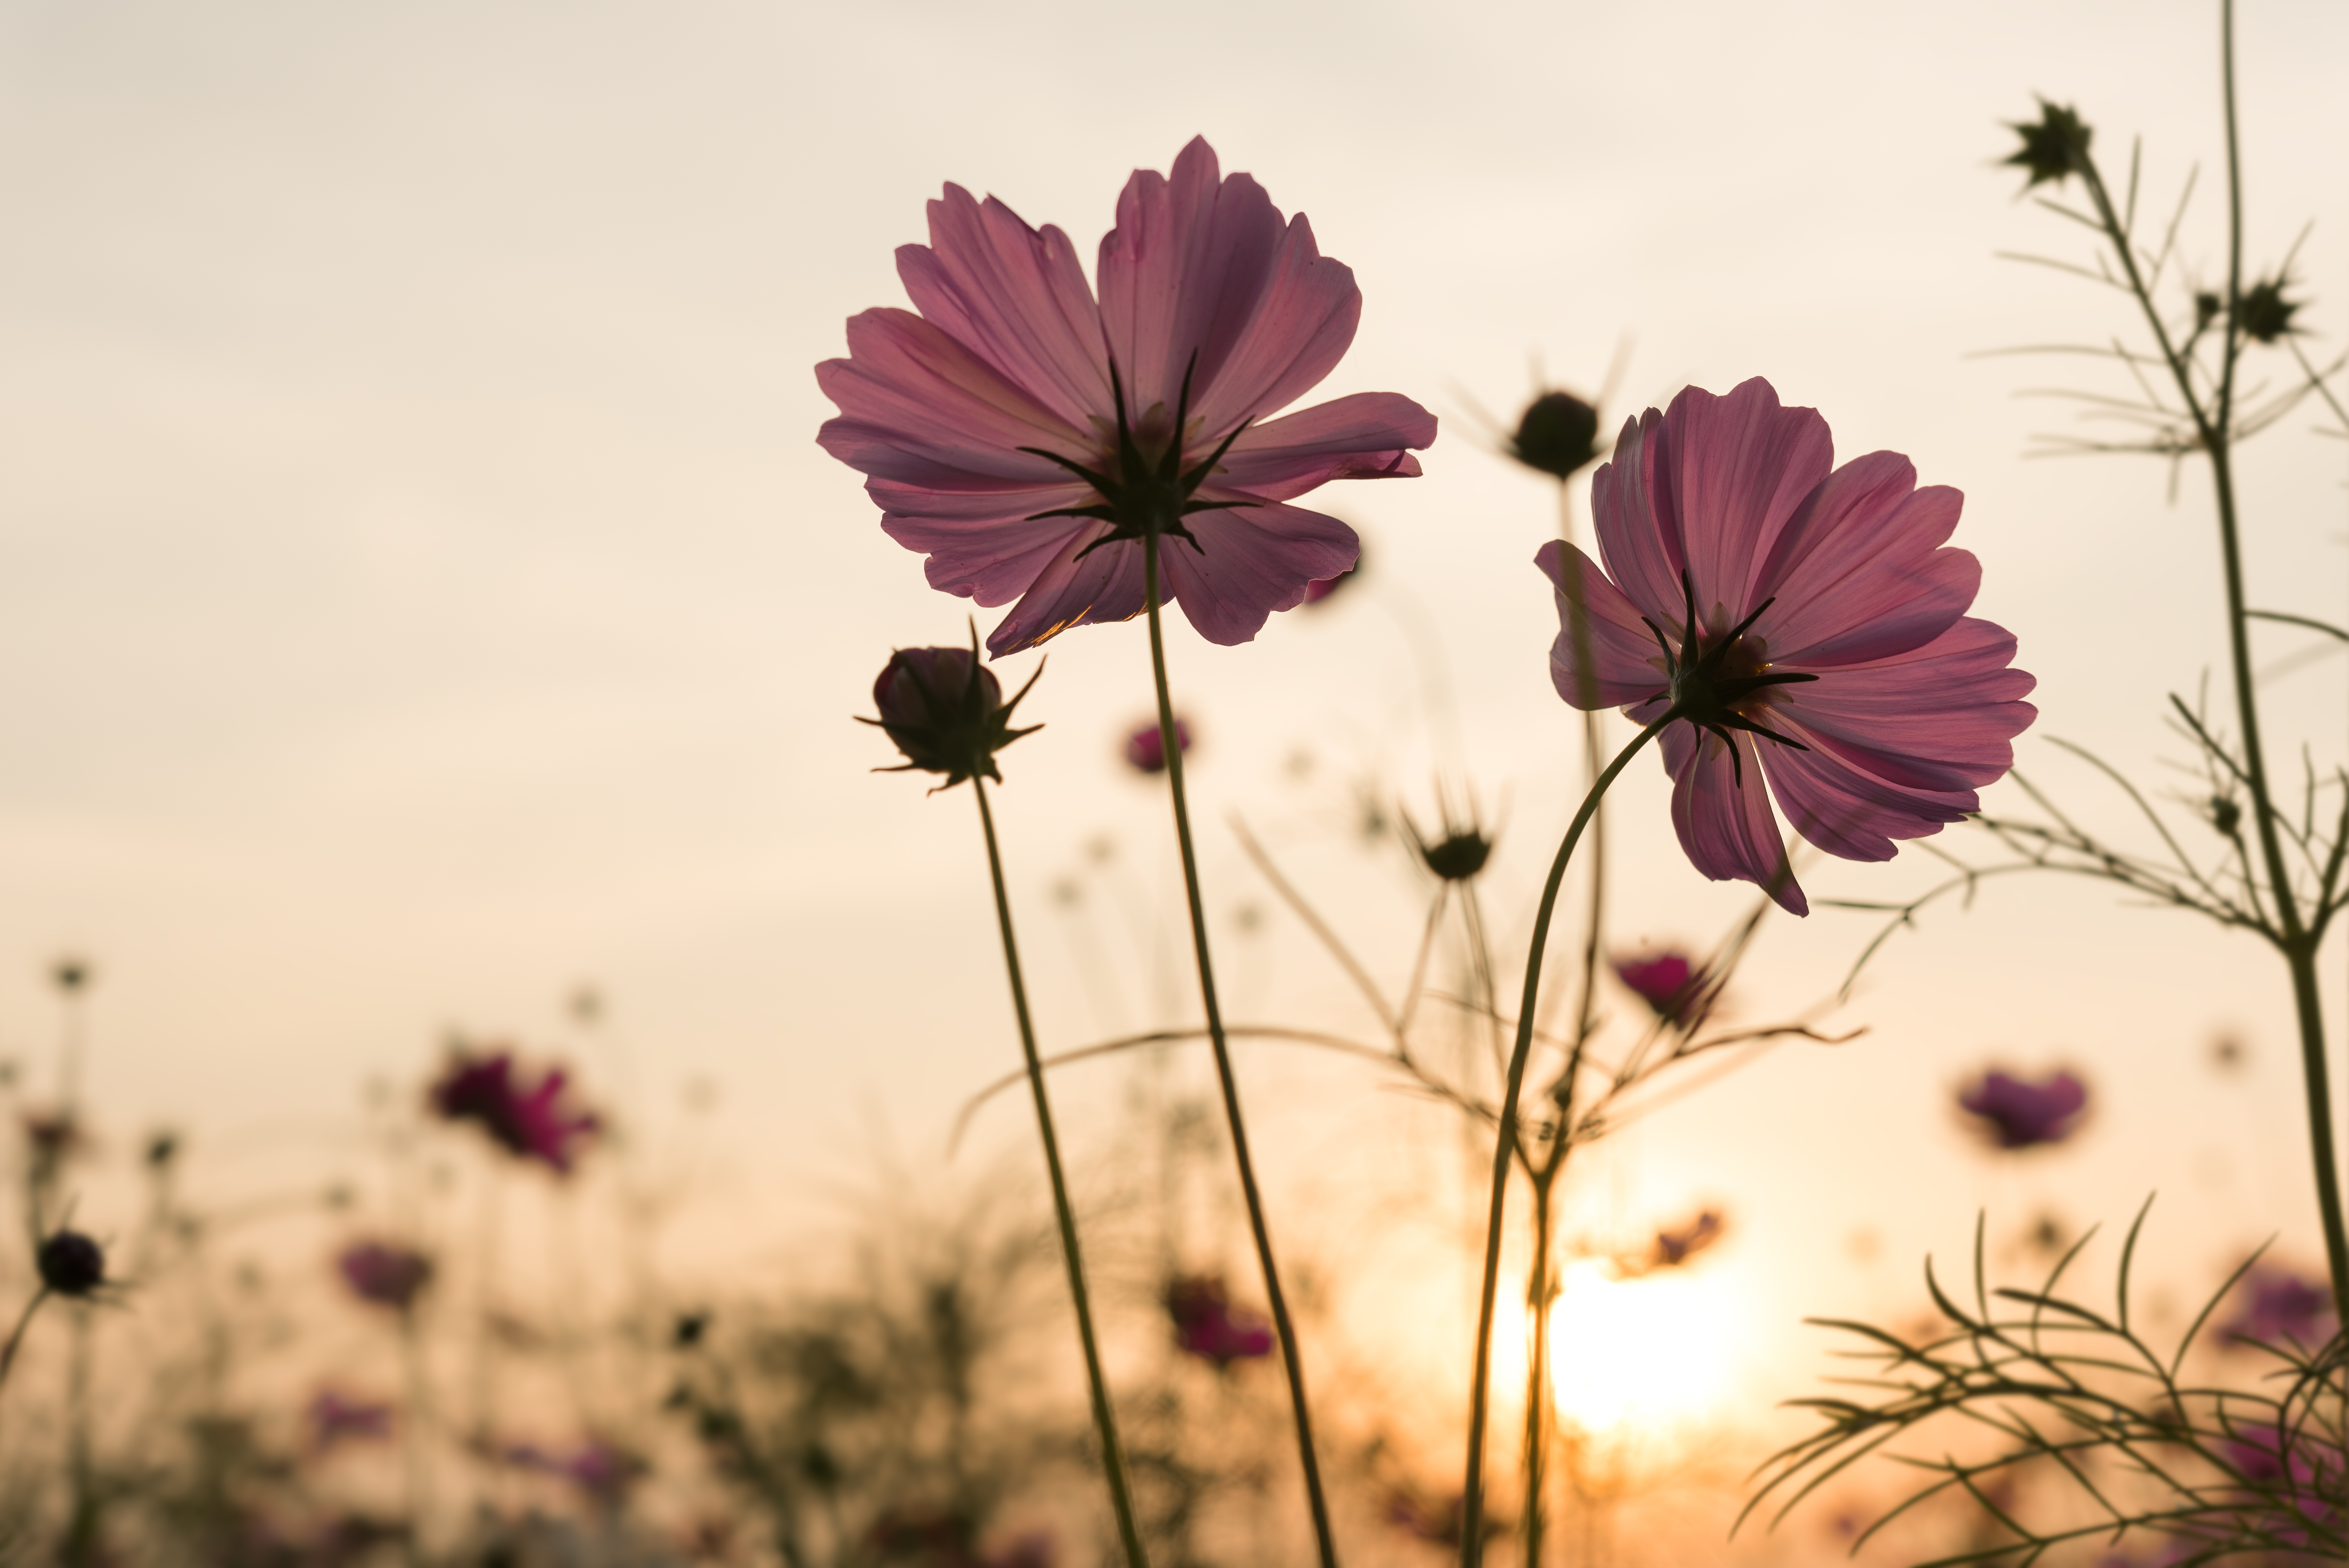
{"x":420,"y":590}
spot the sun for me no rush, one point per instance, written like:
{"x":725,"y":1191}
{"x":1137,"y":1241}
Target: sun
{"x":1652,"y":1351}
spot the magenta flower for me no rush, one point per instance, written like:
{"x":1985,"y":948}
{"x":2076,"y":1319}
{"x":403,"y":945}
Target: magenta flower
{"x":334,"y":1419}
{"x":1675,"y":1246}
{"x":1803,"y":619}
{"x":1666,"y":980}
{"x":1027,"y":438}
{"x":385,"y":1273}
{"x":2294,"y":1471}
{"x":1145,"y":748}
{"x":1207,"y":1326}
{"x":532,"y":1123}
{"x":2021,"y":1113}
{"x":2274,"y":1304}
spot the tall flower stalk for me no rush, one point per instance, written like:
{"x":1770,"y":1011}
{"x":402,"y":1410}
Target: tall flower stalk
{"x":945,"y":712}
{"x":1283,"y":1324}
{"x":1471,"y":1530}
{"x":1097,"y":1381}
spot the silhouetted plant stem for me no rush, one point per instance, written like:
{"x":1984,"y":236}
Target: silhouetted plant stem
{"x":414,"y":1484}
{"x":1104,"y":1418}
{"x":2295,"y":936}
{"x":16,"y":1335}
{"x":1472,"y":1529}
{"x":1282,"y":1325}
{"x":81,"y":1540}
{"x":1538,"y":1294}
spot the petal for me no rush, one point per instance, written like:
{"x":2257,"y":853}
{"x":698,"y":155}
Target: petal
{"x":1626,"y":662}
{"x":1849,"y":811}
{"x":1876,"y":614}
{"x":1741,"y":467}
{"x":1722,"y":814}
{"x":992,"y":562}
{"x":1106,"y":585}
{"x":1860,"y":573}
{"x":1941,"y":718}
{"x":1630,"y":507}
{"x":1366,"y":436}
{"x":1250,"y":563}
{"x":920,"y":408}
{"x":1016,"y":297}
{"x":1202,"y":266}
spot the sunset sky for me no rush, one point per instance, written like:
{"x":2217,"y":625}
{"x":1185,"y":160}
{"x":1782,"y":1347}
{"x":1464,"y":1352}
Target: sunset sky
{"x":420,"y":592}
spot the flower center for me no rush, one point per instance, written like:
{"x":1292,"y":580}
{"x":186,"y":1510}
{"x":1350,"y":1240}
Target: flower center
{"x":1719,"y":684}
{"x":1145,"y":494}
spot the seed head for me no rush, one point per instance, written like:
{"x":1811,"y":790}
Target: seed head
{"x":2053,"y":148}
{"x":1558,"y":434}
{"x":2263,"y":312}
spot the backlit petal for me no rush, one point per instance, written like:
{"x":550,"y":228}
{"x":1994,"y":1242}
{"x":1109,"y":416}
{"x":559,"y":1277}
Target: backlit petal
{"x":1722,"y":814}
{"x":1626,"y":662}
{"x":1014,"y":295}
{"x":1252,"y":563}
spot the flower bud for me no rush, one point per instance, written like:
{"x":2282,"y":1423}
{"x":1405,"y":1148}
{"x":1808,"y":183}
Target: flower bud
{"x":945,"y":710}
{"x":2263,"y":314}
{"x":70,"y":1264}
{"x":1558,"y":434}
{"x":1145,"y":748}
{"x":1667,"y":983}
{"x":385,"y":1273}
{"x":2053,"y":149}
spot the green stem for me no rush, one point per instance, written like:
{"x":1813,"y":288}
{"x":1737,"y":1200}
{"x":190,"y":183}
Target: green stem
{"x":1281,"y":1324}
{"x":1472,"y":1531}
{"x":1104,"y":1418}
{"x":16,"y":1335}
{"x":1538,"y":1294}
{"x":2213,"y":428}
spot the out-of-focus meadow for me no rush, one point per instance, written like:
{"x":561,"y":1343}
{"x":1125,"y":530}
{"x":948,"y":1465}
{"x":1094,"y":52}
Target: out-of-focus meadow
{"x":429,"y":632}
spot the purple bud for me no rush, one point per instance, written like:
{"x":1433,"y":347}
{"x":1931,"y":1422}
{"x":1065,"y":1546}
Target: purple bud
{"x":385,"y":1273}
{"x":1207,"y":1326}
{"x":1667,"y":982}
{"x":1145,"y":748}
{"x":945,"y":711}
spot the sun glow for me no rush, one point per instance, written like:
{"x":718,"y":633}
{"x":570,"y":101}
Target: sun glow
{"x":1648,"y":1352}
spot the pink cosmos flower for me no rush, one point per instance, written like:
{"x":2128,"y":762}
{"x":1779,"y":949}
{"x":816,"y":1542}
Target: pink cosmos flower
{"x":385,"y":1272}
{"x":533,"y":1123}
{"x":1808,"y":624}
{"x":1666,"y":980}
{"x":2023,"y":1113}
{"x":1145,"y":748}
{"x":1207,"y":1326}
{"x":1027,"y":438}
